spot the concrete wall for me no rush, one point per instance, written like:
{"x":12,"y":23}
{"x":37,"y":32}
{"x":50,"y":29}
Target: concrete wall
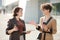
{"x":0,"y":3}
{"x":31,"y":12}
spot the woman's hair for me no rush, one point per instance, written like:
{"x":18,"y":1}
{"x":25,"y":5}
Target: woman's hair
{"x":46,"y":6}
{"x":16,"y":10}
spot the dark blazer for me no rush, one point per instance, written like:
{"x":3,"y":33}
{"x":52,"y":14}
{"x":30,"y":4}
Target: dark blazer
{"x":14,"y":35}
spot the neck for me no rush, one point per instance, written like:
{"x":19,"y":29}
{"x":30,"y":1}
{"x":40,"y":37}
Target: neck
{"x":17,"y":18}
{"x":47,"y":15}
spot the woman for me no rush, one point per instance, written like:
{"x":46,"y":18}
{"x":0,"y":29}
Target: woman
{"x":16,"y":26}
{"x":47,"y":23}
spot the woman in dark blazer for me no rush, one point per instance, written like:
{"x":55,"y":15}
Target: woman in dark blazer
{"x":16,"y":26}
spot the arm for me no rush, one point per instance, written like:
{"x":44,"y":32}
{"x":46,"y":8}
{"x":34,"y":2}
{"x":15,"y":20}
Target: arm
{"x":10,"y":31}
{"x":11,"y":28}
{"x":24,"y":29}
{"x":54,"y":28}
{"x":39,"y":27}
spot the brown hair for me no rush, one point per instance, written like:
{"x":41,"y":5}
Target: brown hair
{"x":46,"y":6}
{"x":16,"y":10}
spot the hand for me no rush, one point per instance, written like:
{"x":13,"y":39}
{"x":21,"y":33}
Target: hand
{"x":33,"y":23}
{"x":15,"y":28}
{"x":28,"y":32}
{"x":12,"y":30}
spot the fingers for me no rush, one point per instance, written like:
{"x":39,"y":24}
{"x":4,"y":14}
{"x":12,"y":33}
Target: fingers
{"x":14,"y":25}
{"x":15,"y":28}
{"x":28,"y":32}
{"x":33,"y":23}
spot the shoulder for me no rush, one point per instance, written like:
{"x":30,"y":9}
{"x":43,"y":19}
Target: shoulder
{"x":53,"y":20}
{"x":10,"y":20}
{"x":23,"y":21}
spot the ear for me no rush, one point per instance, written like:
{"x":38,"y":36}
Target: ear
{"x":17,"y":13}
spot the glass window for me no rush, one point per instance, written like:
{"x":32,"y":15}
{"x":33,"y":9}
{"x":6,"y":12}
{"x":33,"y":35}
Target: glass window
{"x":56,"y":9}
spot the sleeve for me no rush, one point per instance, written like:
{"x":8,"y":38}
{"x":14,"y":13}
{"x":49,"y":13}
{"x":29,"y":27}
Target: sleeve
{"x":24,"y":28}
{"x":9,"y":26}
{"x":54,"y":27}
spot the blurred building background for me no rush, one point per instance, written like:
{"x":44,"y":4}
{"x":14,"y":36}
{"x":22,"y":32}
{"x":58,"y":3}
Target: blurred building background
{"x":31,"y":8}
{"x":31,"y":11}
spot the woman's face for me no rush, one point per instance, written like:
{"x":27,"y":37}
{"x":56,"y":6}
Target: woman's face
{"x":20,"y":13}
{"x":45,"y":12}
